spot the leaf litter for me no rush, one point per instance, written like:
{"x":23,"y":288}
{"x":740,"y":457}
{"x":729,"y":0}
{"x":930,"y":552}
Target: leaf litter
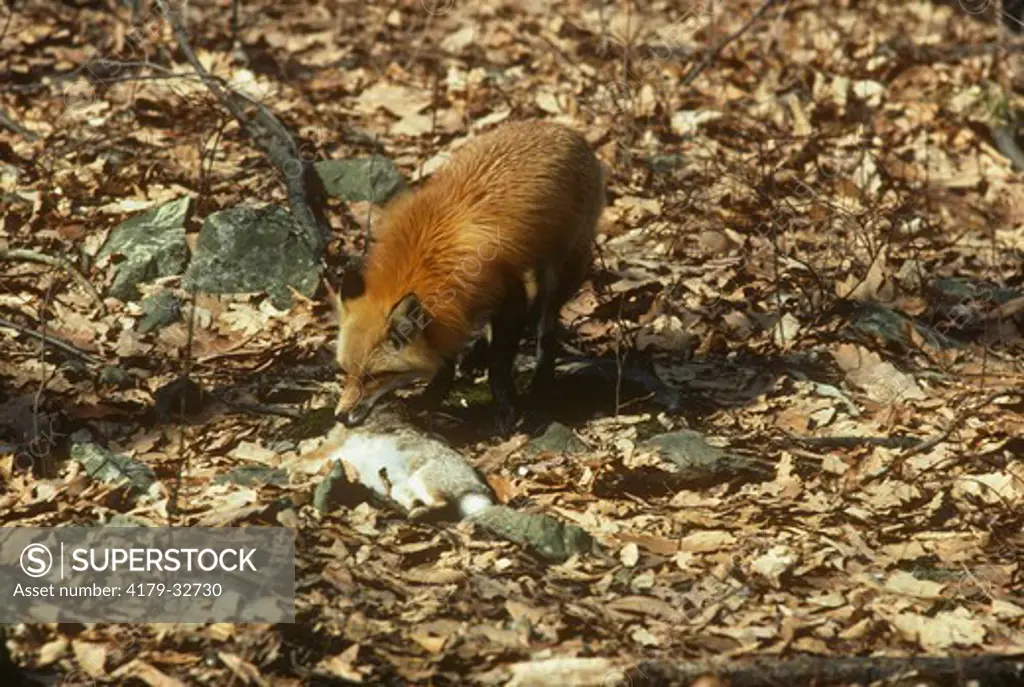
{"x":775,"y":247}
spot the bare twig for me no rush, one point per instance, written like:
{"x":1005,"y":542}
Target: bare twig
{"x":932,"y":442}
{"x":714,"y":52}
{"x":955,"y":424}
{"x":306,"y":195}
{"x":802,"y":670}
{"x":907,"y":50}
{"x":911,"y":445}
{"x":853,"y":441}
{"x":44,"y":377}
{"x":235,"y":40}
{"x":35,"y":256}
{"x":7,"y":123}
{"x":51,"y":340}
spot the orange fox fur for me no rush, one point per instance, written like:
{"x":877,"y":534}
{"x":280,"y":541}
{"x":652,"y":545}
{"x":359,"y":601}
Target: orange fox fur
{"x":514,"y":210}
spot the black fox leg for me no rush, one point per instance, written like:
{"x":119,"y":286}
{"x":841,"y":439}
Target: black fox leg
{"x":475,"y":360}
{"x":547,"y":337}
{"x":547,"y":349}
{"x":507,"y":331}
{"x":438,"y":388}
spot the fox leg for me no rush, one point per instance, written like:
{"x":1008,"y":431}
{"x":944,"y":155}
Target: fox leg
{"x":547,"y":338}
{"x":476,"y":359}
{"x":438,"y":388}
{"x":507,"y":326}
{"x":557,"y":282}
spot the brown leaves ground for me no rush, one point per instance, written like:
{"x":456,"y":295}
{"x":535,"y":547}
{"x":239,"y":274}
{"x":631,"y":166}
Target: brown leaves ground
{"x":757,"y":222}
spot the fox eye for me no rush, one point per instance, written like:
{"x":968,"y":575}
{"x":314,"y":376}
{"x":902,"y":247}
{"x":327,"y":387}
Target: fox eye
{"x":405,"y":321}
{"x":396,"y":341}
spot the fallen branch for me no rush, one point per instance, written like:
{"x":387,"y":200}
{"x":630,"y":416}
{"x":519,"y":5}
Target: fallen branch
{"x":954,"y":425}
{"x":770,"y":671}
{"x":254,"y":408}
{"x":908,"y":50}
{"x":7,"y":123}
{"x":715,"y":51}
{"x":911,"y":445}
{"x":34,"y":256}
{"x":307,"y":197}
{"x":827,"y":670}
{"x":50,"y":340}
{"x":853,"y":441}
{"x":932,"y":442}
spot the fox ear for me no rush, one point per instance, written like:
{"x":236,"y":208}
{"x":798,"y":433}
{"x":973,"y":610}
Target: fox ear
{"x":352,"y":284}
{"x":406,"y":321}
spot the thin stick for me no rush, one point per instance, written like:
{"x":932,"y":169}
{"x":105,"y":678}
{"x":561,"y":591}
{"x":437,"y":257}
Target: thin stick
{"x":909,"y":51}
{"x":8,"y":123}
{"x":957,"y":421}
{"x":849,"y":441}
{"x":932,"y":442}
{"x":306,"y":195}
{"x":51,"y":340}
{"x":35,"y":256}
{"x":713,"y":54}
{"x":44,"y":378}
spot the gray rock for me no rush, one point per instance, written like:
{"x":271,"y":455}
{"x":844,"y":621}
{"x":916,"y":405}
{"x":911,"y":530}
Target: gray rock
{"x":152,"y":245}
{"x":373,"y":178}
{"x":112,"y":375}
{"x":159,"y":310}
{"x":664,"y":163}
{"x":873,"y":321}
{"x":327,"y":492}
{"x":696,"y":459}
{"x":253,"y":474}
{"x":248,"y":249}
{"x":122,"y":520}
{"x":961,"y":305}
{"x":107,"y":466}
{"x":557,"y":438}
{"x":544,"y":535}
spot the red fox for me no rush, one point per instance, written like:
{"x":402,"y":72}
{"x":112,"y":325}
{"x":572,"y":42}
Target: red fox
{"x":502,"y":236}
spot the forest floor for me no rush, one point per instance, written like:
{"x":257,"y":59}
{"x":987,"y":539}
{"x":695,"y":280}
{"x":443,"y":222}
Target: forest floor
{"x":812,"y":235}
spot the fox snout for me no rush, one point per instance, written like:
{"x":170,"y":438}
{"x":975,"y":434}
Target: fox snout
{"x":360,"y":394}
{"x":352,"y":408}
{"x":354,"y":417}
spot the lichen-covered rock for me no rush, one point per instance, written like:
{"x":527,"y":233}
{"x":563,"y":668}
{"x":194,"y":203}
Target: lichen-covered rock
{"x":253,"y":474}
{"x":556,"y":438}
{"x":159,"y":310}
{"x":544,"y":535}
{"x":151,"y":245}
{"x":373,"y":178}
{"x":105,"y":465}
{"x":248,"y":249}
{"x":698,"y":460}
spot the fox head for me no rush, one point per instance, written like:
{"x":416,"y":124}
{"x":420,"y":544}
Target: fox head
{"x":381,"y":346}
